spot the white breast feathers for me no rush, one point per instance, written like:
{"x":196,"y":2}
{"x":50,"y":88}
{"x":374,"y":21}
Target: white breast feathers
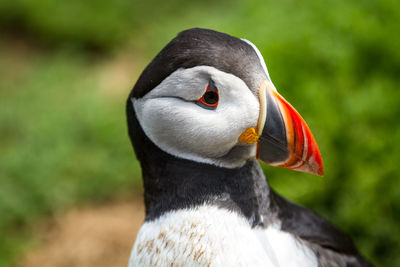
{"x":210,"y":236}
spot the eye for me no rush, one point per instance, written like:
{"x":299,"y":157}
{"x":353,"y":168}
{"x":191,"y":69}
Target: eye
{"x":210,"y":98}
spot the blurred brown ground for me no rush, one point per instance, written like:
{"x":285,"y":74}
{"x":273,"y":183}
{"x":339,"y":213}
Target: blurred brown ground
{"x":88,"y":236}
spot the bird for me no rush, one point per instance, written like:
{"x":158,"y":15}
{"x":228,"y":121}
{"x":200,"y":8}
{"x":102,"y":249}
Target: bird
{"x":201,"y":117}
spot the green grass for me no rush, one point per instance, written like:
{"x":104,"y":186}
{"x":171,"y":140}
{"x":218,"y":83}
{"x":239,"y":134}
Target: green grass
{"x":63,"y":137}
{"x":63,"y":141}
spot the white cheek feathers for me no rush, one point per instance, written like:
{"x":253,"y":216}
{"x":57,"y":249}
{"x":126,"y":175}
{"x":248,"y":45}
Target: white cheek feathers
{"x":170,"y":118}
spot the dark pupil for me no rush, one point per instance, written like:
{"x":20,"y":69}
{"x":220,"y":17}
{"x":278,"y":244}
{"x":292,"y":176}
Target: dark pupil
{"x":211,"y":97}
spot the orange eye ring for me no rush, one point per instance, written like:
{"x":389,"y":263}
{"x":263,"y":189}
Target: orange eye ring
{"x":210,"y":98}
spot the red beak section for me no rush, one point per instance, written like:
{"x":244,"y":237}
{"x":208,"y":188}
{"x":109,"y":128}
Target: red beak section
{"x":284,"y":137}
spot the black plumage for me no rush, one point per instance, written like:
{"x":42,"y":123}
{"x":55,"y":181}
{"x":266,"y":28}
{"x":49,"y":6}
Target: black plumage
{"x":201,"y":47}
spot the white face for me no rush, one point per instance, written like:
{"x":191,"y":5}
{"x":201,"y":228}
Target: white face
{"x":173,"y":121}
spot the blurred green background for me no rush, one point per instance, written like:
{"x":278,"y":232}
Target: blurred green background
{"x":67,"y":67}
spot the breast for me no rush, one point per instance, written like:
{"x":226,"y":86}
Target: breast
{"x":210,"y":236}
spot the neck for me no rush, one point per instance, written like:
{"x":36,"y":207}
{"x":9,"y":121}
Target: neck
{"x":171,"y":183}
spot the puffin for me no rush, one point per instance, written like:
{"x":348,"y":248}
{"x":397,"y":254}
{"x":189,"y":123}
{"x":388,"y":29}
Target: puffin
{"x":201,"y":117}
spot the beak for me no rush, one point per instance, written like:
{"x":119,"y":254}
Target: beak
{"x":283,"y":137}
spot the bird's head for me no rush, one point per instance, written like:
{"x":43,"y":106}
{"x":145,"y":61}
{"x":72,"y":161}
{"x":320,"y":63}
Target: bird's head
{"x":208,"y":97}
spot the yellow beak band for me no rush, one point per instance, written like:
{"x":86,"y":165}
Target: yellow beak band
{"x":249,"y":136}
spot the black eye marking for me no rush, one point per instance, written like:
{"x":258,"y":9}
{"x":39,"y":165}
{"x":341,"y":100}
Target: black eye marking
{"x":210,"y":98}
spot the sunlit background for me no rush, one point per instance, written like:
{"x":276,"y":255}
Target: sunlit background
{"x":66,"y":68}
